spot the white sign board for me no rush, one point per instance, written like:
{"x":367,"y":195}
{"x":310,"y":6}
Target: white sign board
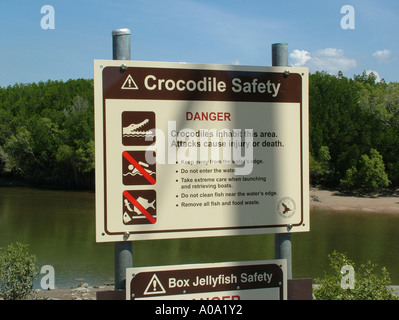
{"x":249,"y":280}
{"x":187,"y":150}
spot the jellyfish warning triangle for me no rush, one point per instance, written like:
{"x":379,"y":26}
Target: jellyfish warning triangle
{"x":154,"y":286}
{"x":129,"y":84}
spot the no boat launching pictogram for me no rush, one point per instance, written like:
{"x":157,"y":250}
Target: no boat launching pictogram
{"x":137,"y":169}
{"x":139,"y":207}
{"x":138,"y":128}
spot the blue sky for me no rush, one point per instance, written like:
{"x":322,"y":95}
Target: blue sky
{"x":217,"y":31}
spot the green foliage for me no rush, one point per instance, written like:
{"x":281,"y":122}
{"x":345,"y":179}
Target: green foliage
{"x":319,"y":167}
{"x":365,"y":78}
{"x":335,"y":121}
{"x":17,"y":271}
{"x":350,"y":117}
{"x":47,"y":133}
{"x":368,"y":284}
{"x":371,"y":174}
{"x":381,"y":104}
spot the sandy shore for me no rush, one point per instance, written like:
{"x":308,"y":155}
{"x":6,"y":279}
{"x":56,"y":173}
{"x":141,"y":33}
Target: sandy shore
{"x":334,"y":200}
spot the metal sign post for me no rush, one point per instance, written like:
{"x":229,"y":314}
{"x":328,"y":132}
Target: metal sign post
{"x":123,"y":257}
{"x":282,"y":241}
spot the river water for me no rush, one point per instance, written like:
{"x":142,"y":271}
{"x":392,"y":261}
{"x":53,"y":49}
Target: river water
{"x":59,"y":227}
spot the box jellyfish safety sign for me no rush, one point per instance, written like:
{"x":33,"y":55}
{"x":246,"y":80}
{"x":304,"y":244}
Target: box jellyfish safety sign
{"x":190,"y":150}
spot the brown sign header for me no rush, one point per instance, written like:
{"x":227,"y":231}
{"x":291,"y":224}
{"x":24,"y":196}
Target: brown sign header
{"x":188,"y":281}
{"x":192,"y":84}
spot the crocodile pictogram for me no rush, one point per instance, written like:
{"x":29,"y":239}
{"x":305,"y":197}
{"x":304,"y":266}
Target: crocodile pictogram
{"x":130,"y":130}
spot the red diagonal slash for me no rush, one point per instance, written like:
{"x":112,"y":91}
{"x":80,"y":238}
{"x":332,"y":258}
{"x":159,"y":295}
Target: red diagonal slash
{"x":129,"y":158}
{"x":139,"y":206}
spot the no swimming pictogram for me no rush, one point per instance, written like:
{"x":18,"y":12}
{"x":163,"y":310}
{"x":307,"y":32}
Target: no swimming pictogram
{"x":136,"y":169}
{"x":139,"y":207}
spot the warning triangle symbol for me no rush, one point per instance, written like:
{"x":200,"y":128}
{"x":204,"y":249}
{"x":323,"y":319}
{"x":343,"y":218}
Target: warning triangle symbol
{"x":129,"y":84}
{"x":154,"y":286}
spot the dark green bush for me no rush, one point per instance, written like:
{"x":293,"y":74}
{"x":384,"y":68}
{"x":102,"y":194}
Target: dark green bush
{"x":17,"y":272}
{"x":368,"y":284}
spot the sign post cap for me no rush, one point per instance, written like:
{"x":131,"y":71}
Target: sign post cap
{"x":121,"y":32}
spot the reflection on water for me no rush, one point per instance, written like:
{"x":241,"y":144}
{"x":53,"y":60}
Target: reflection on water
{"x":59,"y":227}
{"x":363,"y":236}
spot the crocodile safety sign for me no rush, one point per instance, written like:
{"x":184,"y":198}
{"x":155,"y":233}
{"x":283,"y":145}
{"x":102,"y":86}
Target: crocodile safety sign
{"x":198,"y":150}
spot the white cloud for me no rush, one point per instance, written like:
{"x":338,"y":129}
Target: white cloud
{"x":382,"y":56}
{"x":330,"y":60}
{"x":299,"y":57}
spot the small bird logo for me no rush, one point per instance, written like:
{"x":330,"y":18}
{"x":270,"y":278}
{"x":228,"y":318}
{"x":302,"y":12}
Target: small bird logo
{"x":286,"y":209}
